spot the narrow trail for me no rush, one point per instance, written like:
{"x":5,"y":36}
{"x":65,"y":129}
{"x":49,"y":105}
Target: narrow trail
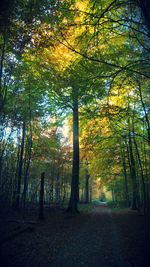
{"x":103,"y":238}
{"x":97,"y":244}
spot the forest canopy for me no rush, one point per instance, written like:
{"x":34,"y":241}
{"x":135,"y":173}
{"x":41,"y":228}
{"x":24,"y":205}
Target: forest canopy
{"x":75,"y":101}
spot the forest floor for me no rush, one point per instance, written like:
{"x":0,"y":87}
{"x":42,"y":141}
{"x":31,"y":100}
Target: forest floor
{"x":101,"y":238}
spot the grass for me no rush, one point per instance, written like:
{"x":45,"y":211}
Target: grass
{"x":82,"y":207}
{"x":119,"y":209}
{"x":85,"y":208}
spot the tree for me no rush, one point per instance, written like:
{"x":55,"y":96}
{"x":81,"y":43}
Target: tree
{"x":87,"y":59}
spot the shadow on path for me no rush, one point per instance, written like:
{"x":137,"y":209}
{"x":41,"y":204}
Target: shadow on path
{"x":97,"y":244}
{"x":100,"y":239}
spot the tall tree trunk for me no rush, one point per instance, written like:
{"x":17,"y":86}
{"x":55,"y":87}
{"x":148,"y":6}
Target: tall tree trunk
{"x":26,"y":175}
{"x":19,"y":173}
{"x":64,"y":189}
{"x":145,"y":112}
{"x":16,"y":170}
{"x":142,"y":175}
{"x":133,"y":175}
{"x":86,"y":185}
{"x":52,"y":184}
{"x":74,"y":197}
{"x":41,"y":198}
{"x":125,"y":176}
{"x":146,"y":177}
{"x":113,"y":195}
{"x":145,"y":8}
{"x":90,"y":191}
{"x":57,"y":187}
{"x":2,"y":55}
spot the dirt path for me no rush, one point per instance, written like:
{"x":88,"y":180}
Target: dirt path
{"x":99,"y":239}
{"x":97,"y":244}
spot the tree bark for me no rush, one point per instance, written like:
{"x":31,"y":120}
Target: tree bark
{"x":86,"y":185}
{"x":125,"y":176}
{"x":1,"y":73}
{"x":142,"y":174}
{"x":145,"y":8}
{"x":74,"y":197}
{"x":57,"y":188}
{"x":133,"y":175}
{"x":26,"y":175}
{"x":19,"y":173}
{"x":41,"y":199}
{"x":145,"y":113}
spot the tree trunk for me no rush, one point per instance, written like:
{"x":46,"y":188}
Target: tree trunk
{"x":133,"y":175}
{"x":146,"y":177}
{"x":57,"y":188}
{"x":19,"y":173}
{"x":113,"y":195}
{"x":26,"y":175}
{"x":86,"y":186}
{"x":145,"y":8}
{"x":2,"y":94}
{"x":142,"y":174}
{"x":41,"y":199}
{"x":145,"y":113}
{"x":74,"y":197}
{"x":125,"y":176}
